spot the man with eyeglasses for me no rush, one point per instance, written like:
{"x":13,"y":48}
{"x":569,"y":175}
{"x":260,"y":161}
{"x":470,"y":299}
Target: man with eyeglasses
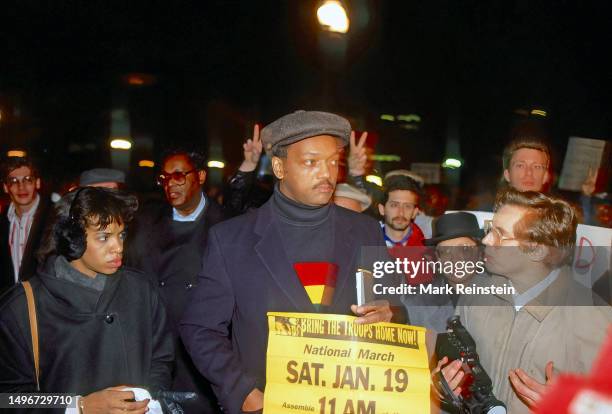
{"x":551,"y":323}
{"x":168,"y":240}
{"x":22,"y":224}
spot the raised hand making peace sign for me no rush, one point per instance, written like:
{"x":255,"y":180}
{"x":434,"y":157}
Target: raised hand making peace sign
{"x":252,"y":151}
{"x":358,"y":157}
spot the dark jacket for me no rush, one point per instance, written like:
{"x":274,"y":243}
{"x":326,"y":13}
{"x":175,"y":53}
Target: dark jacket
{"x":244,"y":191}
{"x":28,"y":262}
{"x":88,"y":341}
{"x":173,"y":258}
{"x":245,"y":274}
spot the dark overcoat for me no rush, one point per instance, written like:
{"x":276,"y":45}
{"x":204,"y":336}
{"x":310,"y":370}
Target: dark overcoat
{"x":88,"y":341}
{"x":174,"y":260}
{"x":245,"y":274}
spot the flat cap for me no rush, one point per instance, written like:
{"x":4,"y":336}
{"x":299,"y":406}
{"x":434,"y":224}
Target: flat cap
{"x":101,"y":175}
{"x":300,"y":125}
{"x":349,"y":191}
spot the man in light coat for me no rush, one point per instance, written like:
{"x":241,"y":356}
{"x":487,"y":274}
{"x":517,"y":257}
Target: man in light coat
{"x":551,"y":323}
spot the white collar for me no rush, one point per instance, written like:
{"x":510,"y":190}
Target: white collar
{"x":193,"y":216}
{"x":533,"y":292}
{"x":12,"y":214}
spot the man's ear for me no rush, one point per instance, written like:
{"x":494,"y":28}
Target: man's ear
{"x":538,"y":252}
{"x":5,"y":188}
{"x":38,"y":183}
{"x":278,"y":167}
{"x":506,"y":175}
{"x":201,"y":177}
{"x":546,"y":177}
{"x":381,"y":209}
{"x":415,"y":212}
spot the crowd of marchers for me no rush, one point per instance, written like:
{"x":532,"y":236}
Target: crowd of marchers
{"x":137,"y":307}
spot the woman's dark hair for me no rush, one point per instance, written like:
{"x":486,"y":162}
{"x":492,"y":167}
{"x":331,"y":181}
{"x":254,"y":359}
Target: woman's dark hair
{"x":79,"y":209}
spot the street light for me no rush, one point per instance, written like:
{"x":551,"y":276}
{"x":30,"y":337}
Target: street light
{"x":332,"y":16}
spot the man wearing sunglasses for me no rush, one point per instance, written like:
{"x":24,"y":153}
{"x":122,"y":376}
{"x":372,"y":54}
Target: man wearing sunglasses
{"x":22,"y":223}
{"x":168,"y":240}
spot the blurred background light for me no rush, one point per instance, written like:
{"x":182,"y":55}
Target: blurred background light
{"x":216,"y":164}
{"x":146,"y":163}
{"x":538,"y":112}
{"x":121,"y":143}
{"x":451,"y":163}
{"x":374,"y":179}
{"x":409,"y":118}
{"x":385,"y":157}
{"x":16,"y":153}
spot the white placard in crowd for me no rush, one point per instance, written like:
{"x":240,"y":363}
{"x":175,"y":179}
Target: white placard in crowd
{"x":592,"y":258}
{"x":581,"y":154}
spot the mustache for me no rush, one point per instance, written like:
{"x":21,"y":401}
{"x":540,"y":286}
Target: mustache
{"x":322,"y":183}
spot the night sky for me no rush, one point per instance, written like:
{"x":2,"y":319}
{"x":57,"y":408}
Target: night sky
{"x":465,"y":67}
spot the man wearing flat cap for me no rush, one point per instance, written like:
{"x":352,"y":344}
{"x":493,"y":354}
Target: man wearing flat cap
{"x":263,"y":260}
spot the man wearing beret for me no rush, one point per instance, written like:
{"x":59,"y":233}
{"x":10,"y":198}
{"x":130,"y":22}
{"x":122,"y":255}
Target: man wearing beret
{"x":263,"y":260}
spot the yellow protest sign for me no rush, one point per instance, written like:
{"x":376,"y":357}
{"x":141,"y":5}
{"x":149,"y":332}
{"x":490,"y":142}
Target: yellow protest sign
{"x":327,"y":364}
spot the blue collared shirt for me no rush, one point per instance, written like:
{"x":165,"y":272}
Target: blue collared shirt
{"x":176,"y":216}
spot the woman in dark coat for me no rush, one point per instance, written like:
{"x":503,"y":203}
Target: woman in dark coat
{"x":100,"y":326}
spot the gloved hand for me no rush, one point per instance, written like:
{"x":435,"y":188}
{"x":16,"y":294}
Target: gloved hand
{"x":170,"y":400}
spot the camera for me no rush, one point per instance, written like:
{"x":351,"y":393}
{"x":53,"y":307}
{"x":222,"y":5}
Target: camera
{"x":477,"y":388}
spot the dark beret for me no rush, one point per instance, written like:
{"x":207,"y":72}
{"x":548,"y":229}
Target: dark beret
{"x":101,"y":175}
{"x":300,"y":125}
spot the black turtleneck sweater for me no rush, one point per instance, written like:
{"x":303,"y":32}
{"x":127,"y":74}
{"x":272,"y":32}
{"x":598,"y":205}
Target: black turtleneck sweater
{"x":306,"y":231}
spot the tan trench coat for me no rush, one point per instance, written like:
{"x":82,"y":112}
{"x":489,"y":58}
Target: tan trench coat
{"x":568,"y":335}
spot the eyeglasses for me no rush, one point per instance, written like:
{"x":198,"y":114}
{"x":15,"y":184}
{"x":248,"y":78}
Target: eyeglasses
{"x":28,"y":179}
{"x":494,"y":233}
{"x":178,"y":176}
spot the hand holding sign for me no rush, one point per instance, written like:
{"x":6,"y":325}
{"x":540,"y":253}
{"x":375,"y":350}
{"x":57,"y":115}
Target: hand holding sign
{"x":372,"y":312}
{"x":588,"y":186}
